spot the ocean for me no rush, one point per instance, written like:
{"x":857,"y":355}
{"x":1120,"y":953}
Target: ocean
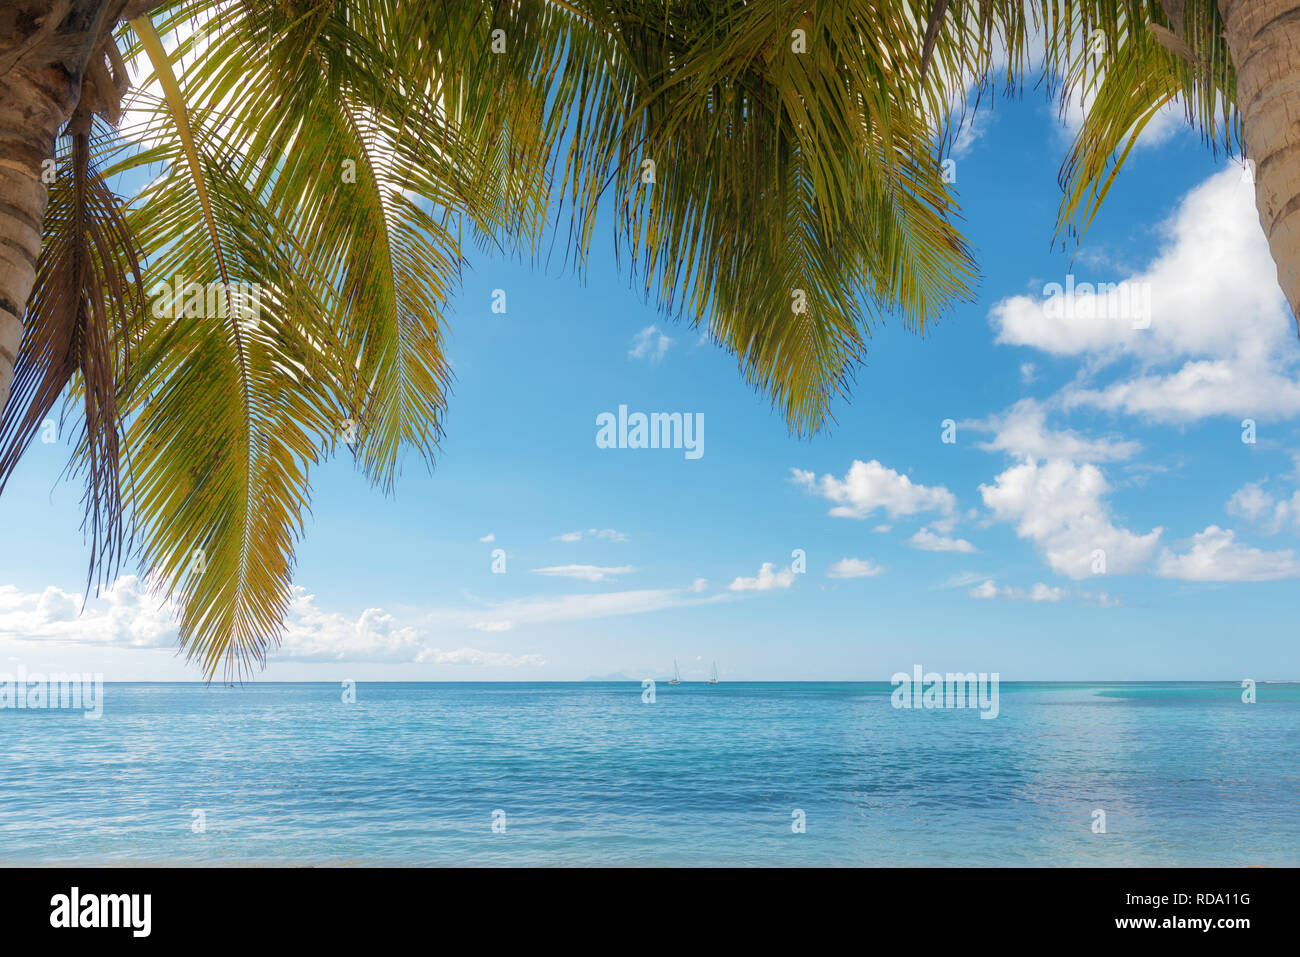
{"x":587,"y":773}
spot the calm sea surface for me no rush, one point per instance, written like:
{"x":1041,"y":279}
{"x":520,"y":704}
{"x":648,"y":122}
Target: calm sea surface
{"x":585,"y":773}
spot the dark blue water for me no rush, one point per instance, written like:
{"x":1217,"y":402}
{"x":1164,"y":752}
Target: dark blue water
{"x":586,"y":773}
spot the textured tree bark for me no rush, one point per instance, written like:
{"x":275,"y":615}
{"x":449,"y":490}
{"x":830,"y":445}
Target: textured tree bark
{"x":34,"y":103}
{"x":44,"y":48}
{"x":1264,"y":41}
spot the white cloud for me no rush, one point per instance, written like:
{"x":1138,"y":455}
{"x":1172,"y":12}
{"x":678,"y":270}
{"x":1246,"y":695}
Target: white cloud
{"x":1205,"y":387}
{"x":1039,"y":592}
{"x":1254,"y":503}
{"x":768,"y":579}
{"x":928,"y":541}
{"x":870,"y":486}
{"x":962,"y":579}
{"x":601,"y":534}
{"x":1250,"y":501}
{"x":376,"y":636}
{"x":473,"y":656}
{"x":1215,"y":556}
{"x":489,"y":537}
{"x":853,"y":568}
{"x":1221,"y":337}
{"x":970,"y":131}
{"x":649,"y":344}
{"x":1058,"y":506}
{"x":1022,"y":431}
{"x":591,"y":573}
{"x":129,"y":615}
{"x":1161,"y":128}
{"x":699,"y":585}
{"x":551,"y":609}
{"x":492,"y":625}
{"x":125,"y":614}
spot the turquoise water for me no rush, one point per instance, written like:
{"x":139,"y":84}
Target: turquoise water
{"x":586,"y":773}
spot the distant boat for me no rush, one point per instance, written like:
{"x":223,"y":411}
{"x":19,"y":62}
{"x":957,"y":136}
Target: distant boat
{"x":677,"y":675}
{"x":713,"y":679}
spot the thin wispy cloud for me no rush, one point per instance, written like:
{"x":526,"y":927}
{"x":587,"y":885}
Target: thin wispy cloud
{"x":1038,"y":592}
{"x":590,"y":573}
{"x":599,"y":534}
{"x":1022,"y":431}
{"x":650,"y":344}
{"x":930,"y":541}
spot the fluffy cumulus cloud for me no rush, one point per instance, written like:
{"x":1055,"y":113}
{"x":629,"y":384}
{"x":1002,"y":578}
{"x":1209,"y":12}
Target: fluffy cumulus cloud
{"x":129,"y":615}
{"x":1058,"y":505}
{"x":869,"y":487}
{"x":854,"y":568}
{"x":1203,"y":330}
{"x":125,"y":614}
{"x":767,"y":579}
{"x":1271,"y":513}
{"x":1216,"y":556}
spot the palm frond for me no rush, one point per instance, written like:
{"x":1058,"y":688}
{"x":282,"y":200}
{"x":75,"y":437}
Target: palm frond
{"x":226,"y":414}
{"x":1122,"y":60}
{"x":80,"y":325}
{"x":704,"y":123}
{"x":796,"y":200}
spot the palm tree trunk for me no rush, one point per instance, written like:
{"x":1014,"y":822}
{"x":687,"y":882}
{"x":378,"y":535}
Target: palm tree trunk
{"x":1264,"y":41}
{"x":34,"y":103}
{"x":44,"y":49}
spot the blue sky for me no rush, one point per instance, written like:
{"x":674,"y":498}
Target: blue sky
{"x":1074,"y":434}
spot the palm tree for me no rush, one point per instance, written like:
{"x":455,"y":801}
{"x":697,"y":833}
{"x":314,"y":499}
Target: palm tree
{"x":768,"y":174}
{"x":770,"y":169}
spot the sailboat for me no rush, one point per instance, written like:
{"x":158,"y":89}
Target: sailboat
{"x":713,"y":678}
{"x":677,"y":677}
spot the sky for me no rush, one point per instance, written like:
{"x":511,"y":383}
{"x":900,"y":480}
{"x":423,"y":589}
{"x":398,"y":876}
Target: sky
{"x":1046,"y":486}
